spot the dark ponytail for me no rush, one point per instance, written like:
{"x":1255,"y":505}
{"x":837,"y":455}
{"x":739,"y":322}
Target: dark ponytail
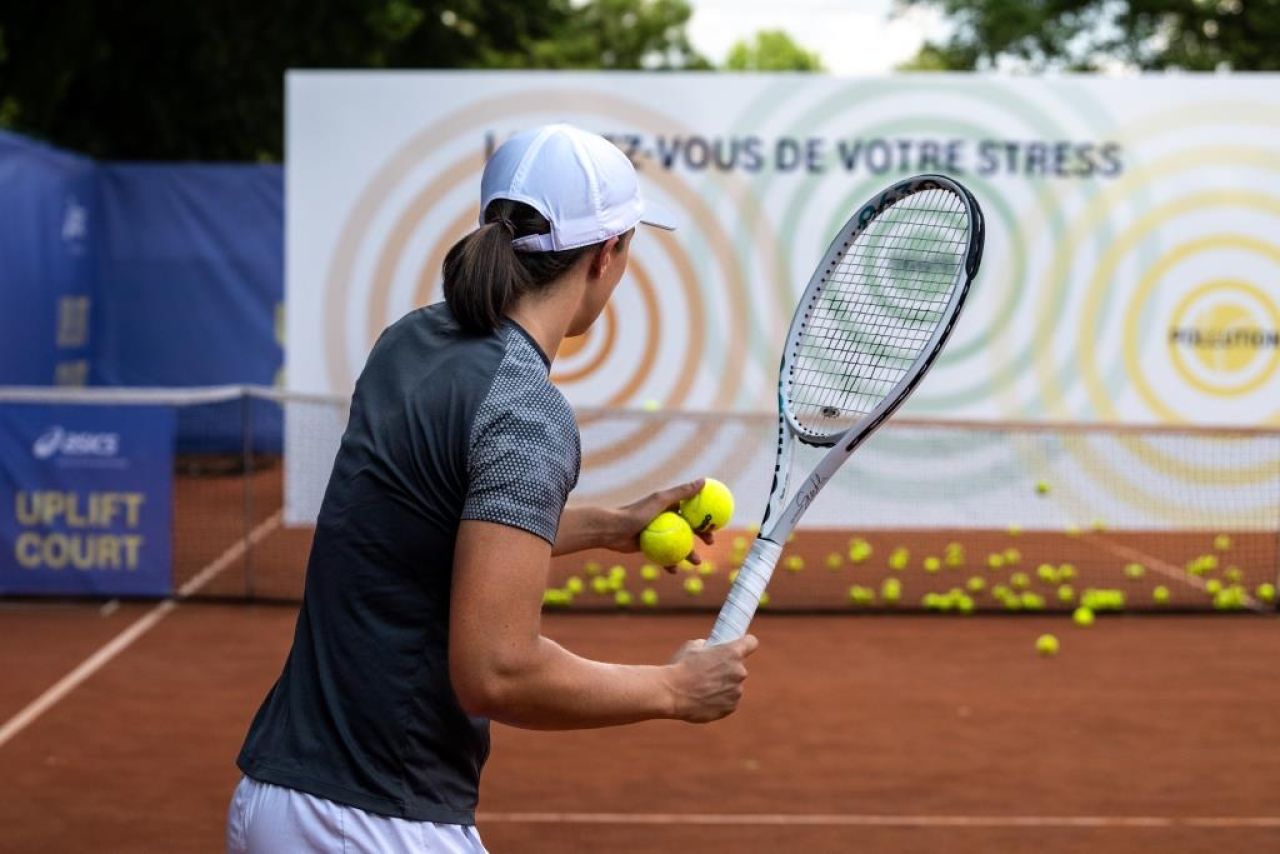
{"x":484,"y":276}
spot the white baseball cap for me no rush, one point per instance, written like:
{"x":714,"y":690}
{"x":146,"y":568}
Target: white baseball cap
{"x":582,"y":183}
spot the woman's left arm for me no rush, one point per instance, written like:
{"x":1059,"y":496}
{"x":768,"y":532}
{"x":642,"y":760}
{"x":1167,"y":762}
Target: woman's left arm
{"x":617,"y":529}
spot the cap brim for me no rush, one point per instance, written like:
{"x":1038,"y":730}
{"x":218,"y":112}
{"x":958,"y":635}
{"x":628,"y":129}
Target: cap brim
{"x":657,"y":217}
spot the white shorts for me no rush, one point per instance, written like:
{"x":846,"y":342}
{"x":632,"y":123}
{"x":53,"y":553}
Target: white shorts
{"x":267,"y":819}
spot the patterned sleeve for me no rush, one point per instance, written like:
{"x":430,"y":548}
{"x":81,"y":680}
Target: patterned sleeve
{"x":523,"y":462}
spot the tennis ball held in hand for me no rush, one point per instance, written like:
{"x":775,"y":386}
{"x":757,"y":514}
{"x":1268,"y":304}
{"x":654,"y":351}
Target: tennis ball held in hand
{"x":710,"y":509}
{"x":667,"y":540}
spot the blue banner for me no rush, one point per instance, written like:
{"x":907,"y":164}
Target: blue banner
{"x":85,"y":500}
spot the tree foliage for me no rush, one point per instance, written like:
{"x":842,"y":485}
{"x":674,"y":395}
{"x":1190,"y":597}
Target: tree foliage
{"x":151,"y":79}
{"x":771,"y":50}
{"x":1195,"y":35}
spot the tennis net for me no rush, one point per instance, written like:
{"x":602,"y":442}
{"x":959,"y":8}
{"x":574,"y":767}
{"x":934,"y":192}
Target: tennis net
{"x":949,"y":516}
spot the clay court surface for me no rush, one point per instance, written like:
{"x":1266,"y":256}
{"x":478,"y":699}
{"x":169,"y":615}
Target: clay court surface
{"x":872,"y":733}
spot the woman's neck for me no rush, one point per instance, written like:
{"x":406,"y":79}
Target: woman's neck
{"x":546,"y":316}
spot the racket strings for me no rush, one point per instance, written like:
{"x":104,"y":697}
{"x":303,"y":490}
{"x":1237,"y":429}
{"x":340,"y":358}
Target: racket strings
{"x":877,"y":311}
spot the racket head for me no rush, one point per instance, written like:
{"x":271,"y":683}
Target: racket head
{"x":878,"y":308}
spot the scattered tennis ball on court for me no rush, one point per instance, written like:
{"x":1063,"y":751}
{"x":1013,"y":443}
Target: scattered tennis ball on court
{"x":964,"y":604}
{"x":1266,"y":592}
{"x":1012,"y":602}
{"x":976,"y":584}
{"x":1233,"y":573}
{"x":1015,"y":530}
{"x":591,"y":567}
{"x":616,"y":582}
{"x":794,"y":563}
{"x":859,"y":550}
{"x":932,"y":564}
{"x":1213,"y":587}
{"x":555,"y":598}
{"x":1042,"y":487}
{"x":574,"y":584}
{"x":600,"y":585}
{"x":995,"y":560}
{"x":649,"y":597}
{"x":1160,"y":595}
{"x":1134,"y":570}
{"x":1012,"y":556}
{"x":891,"y":591}
{"x":1073,"y":531}
{"x":1098,"y":525}
{"x":667,"y":540}
{"x":1032,"y":601}
{"x":693,"y":585}
{"x":1226,"y":600}
{"x":932,"y":601}
{"x":1082,"y":616}
{"x":1066,"y":572}
{"x":617,"y":571}
{"x":706,"y":568}
{"x":1222,"y":542}
{"x":954,"y":559}
{"x":834,"y":560}
{"x":1046,"y":573}
{"x":649,"y":572}
{"x":764,"y":599}
{"x":1047,"y":645}
{"x":709,"y":510}
{"x":622,"y":599}
{"x":1019,"y":581}
{"x":861,"y":595}
{"x":1000,"y":591}
{"x":899,"y":559}
{"x":1066,"y":593}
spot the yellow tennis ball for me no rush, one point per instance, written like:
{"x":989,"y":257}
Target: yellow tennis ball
{"x":649,"y":597}
{"x":622,"y":599}
{"x":1267,"y":592}
{"x":667,"y":540}
{"x":1134,"y":570}
{"x":795,"y":563}
{"x":1066,"y":593}
{"x":1042,"y":487}
{"x":710,"y":509}
{"x":573,"y":584}
{"x":1047,"y":645}
{"x":1213,"y":586}
{"x":693,"y":585}
{"x":834,"y":560}
{"x":649,"y":572}
{"x":1160,"y":594}
{"x":1083,"y":616}
{"x":1222,"y":542}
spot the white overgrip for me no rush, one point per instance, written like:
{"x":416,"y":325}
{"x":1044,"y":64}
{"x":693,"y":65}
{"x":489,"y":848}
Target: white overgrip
{"x":744,"y":596}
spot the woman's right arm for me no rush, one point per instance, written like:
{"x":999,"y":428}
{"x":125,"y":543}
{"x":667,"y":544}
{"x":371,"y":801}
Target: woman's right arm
{"x":503,"y":668}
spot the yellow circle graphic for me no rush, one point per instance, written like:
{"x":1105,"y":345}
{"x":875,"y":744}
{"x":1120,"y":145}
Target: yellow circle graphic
{"x":1229,"y":329}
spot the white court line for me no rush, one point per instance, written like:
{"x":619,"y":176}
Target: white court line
{"x":853,"y":820}
{"x":135,"y":630}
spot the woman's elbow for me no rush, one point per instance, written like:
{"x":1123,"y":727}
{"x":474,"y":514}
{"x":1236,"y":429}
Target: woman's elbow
{"x":485,"y":690}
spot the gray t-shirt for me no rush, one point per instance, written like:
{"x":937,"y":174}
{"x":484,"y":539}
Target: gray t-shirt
{"x":444,"y":426}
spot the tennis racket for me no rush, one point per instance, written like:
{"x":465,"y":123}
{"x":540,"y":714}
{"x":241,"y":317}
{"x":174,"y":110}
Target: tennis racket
{"x":871,"y":321}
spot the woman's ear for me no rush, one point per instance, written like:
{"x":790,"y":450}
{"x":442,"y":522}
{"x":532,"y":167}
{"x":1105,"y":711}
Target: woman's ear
{"x":605,"y":256}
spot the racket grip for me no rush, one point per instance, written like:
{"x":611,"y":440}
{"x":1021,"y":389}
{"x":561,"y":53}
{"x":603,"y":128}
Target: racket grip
{"x":744,"y":596}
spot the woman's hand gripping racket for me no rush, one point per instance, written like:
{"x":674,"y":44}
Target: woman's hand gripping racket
{"x":870,"y":323}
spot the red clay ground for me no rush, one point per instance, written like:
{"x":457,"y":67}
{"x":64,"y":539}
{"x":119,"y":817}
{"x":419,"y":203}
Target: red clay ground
{"x":1142,"y":729}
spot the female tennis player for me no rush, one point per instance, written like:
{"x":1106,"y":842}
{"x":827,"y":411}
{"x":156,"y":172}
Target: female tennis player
{"x":420,"y":617}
